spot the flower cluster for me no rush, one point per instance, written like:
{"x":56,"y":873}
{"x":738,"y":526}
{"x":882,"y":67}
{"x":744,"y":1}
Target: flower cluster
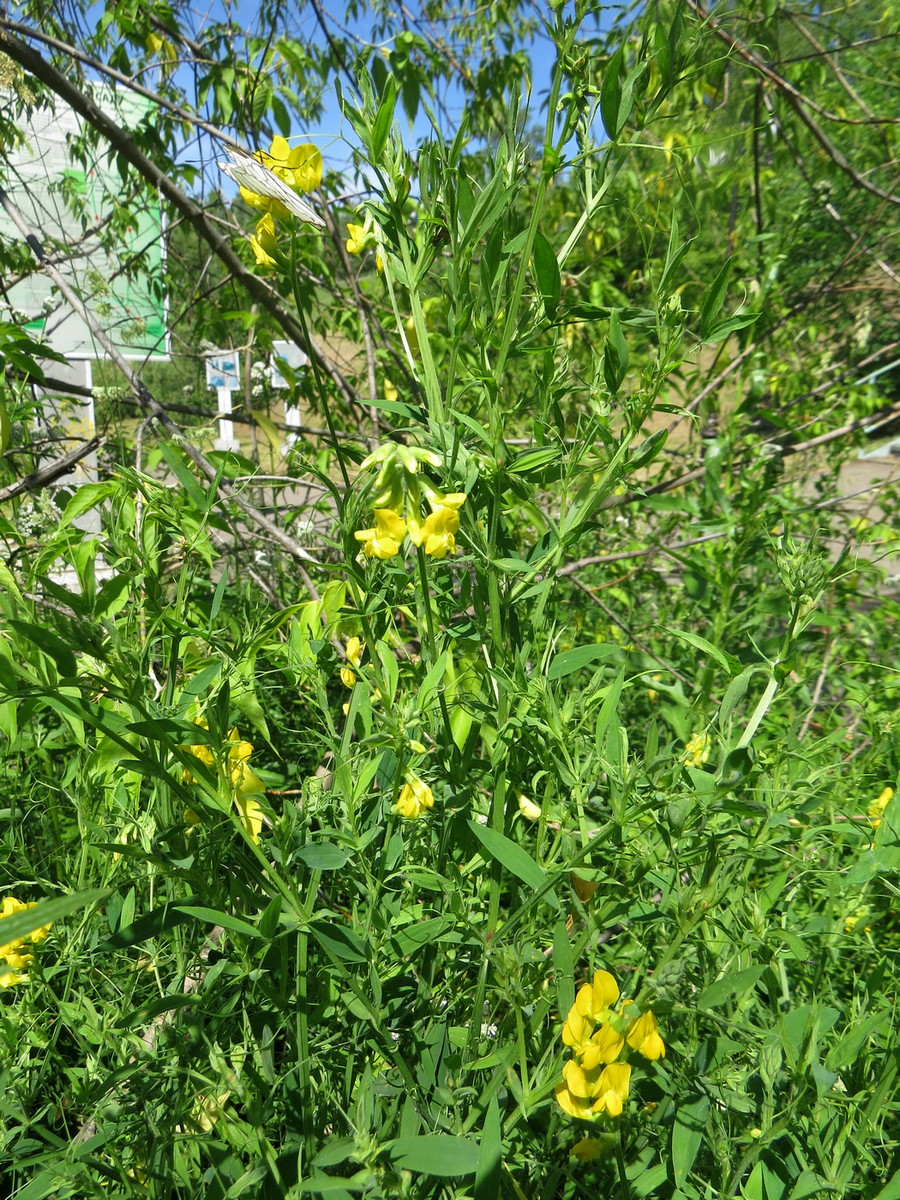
{"x":596,"y":1081}
{"x":398,"y":485}
{"x":244,"y":784}
{"x":11,"y":953}
{"x":300,"y":168}
{"x":415,"y":798}
{"x":697,"y":750}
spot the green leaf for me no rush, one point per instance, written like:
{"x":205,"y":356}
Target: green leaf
{"x":546,"y":269}
{"x":734,"y":694}
{"x":214,"y":917}
{"x":51,"y":644}
{"x":727,"y":663}
{"x":687,"y":1136}
{"x":611,"y":95}
{"x":435,"y":1154}
{"x":516,"y":860}
{"x":382,"y":124}
{"x":45,"y":912}
{"x":615,"y":355}
{"x":157,"y":921}
{"x":339,"y":941}
{"x":322,"y":856}
{"x":714,"y":299}
{"x":178,"y":468}
{"x":563,"y":968}
{"x":490,"y":1155}
{"x":735,"y":984}
{"x":723,"y":329}
{"x":891,"y":1190}
{"x":88,"y":496}
{"x":567,"y":661}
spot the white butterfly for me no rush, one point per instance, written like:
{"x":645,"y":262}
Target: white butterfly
{"x":250,"y":173}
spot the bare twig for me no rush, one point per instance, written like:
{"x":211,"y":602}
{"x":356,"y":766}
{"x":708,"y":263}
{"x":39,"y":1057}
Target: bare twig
{"x":53,"y":471}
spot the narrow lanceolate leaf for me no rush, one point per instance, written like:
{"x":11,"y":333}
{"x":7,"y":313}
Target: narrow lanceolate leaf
{"x":22,"y":924}
{"x":516,"y":860}
{"x":546,"y":268}
{"x":714,"y":299}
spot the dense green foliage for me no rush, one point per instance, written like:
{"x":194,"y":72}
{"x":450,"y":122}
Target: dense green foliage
{"x":555,"y":650}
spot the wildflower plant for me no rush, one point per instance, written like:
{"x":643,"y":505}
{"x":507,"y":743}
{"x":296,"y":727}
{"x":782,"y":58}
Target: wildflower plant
{"x":339,"y":769}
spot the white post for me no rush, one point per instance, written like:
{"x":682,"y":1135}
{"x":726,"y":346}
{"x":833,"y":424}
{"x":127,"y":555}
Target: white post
{"x":223,"y":372}
{"x":226,"y":439}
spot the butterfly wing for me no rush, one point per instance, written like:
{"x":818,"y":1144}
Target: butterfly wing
{"x":250,"y":173}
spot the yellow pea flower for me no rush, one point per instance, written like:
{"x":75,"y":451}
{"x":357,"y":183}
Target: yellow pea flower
{"x":415,"y":798}
{"x":529,"y":810}
{"x":384,"y":540}
{"x":305,"y":161}
{"x":572,"y":1105}
{"x":604,"y":1047}
{"x":353,"y":650}
{"x":265,"y":241}
{"x":436,"y":532}
{"x":590,"y":1149}
{"x":643,"y":1036}
{"x":697,"y":750}
{"x":299,"y":168}
{"x":12,"y":953}
{"x":612,"y":1089}
{"x":356,"y":242}
{"x":877,"y":807}
{"x":591,"y":1008}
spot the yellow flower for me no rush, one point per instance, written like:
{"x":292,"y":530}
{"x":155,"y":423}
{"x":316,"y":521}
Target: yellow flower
{"x":697,"y":750}
{"x":414,"y":799}
{"x":356,"y":242}
{"x":529,"y":810}
{"x":305,"y":161}
{"x":603,"y":1047}
{"x":436,"y":531}
{"x":573,"y":1105}
{"x":265,"y":241}
{"x":390,"y":392}
{"x":591,"y":1008}
{"x":12,"y":952}
{"x":384,"y":540}
{"x":379,"y":262}
{"x":245,"y":784}
{"x":208,"y":1110}
{"x":300,"y":168}
{"x":589,"y":1149}
{"x":612,"y":1089}
{"x":250,"y":812}
{"x":877,"y":807}
{"x":353,"y":650}
{"x":643,"y":1036}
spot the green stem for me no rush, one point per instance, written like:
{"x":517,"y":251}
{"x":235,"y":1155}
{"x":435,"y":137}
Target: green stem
{"x":624,"y":1185}
{"x":317,"y":371}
